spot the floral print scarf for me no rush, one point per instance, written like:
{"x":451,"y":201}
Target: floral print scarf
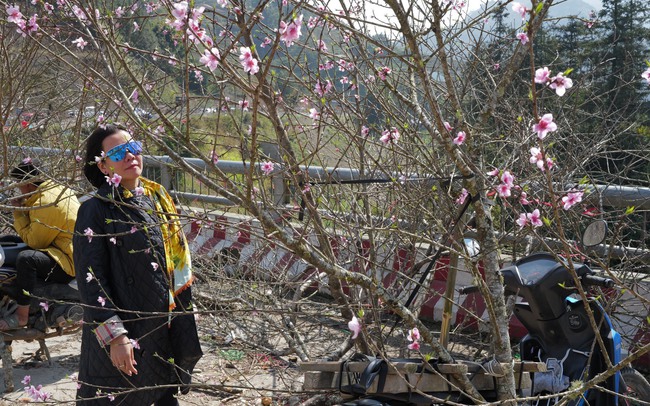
{"x":177,"y":253}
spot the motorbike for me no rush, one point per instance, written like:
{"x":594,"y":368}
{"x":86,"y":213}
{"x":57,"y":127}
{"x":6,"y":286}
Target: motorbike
{"x":55,"y":309}
{"x":53,"y":305}
{"x":560,"y":333}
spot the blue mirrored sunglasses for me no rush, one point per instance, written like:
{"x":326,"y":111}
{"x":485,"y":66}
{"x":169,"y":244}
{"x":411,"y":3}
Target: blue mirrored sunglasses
{"x":116,"y":154}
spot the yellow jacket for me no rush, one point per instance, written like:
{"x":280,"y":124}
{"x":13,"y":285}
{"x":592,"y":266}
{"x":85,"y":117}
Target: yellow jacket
{"x":49,"y":226}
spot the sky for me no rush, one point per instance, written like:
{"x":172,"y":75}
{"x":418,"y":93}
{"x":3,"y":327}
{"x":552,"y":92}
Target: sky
{"x":583,"y":7}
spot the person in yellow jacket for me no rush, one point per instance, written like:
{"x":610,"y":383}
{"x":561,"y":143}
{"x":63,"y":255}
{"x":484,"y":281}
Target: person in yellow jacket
{"x":44,"y":219}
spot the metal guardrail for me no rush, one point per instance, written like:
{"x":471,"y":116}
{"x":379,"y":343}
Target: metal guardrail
{"x":160,"y":168}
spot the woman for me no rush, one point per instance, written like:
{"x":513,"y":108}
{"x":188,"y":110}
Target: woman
{"x":134,"y":273}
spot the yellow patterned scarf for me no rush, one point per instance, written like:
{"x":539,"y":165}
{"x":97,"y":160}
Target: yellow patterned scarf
{"x":177,"y":253}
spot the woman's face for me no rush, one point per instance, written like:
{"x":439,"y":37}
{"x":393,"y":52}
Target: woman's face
{"x":126,"y":160}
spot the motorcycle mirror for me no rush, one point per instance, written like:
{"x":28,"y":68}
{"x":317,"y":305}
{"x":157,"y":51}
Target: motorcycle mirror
{"x":595,"y":233}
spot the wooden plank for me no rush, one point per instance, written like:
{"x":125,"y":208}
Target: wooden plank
{"x":393,"y":368}
{"x":461,"y":367}
{"x":426,"y":382}
{"x":528,"y":366}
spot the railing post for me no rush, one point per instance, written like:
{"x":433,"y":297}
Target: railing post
{"x":165,"y":175}
{"x":271,"y":150}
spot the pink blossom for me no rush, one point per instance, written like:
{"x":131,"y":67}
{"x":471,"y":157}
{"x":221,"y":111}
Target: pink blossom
{"x":290,"y":32}
{"x":135,"y":344}
{"x":244,"y":104}
{"x":523,"y":199}
{"x":365,"y":131}
{"x":114,"y":180}
{"x":89,"y":277}
{"x":560,"y":84}
{"x":493,"y":172}
{"x":523,"y":37}
{"x":536,"y":157}
{"x":314,"y":114}
{"x":251,"y":66}
{"x":327,"y":65}
{"x":542,"y":75}
{"x":139,"y":191}
{"x":522,"y":220}
{"x":571,"y":199}
{"x":267,"y":167}
{"x":384,"y":72}
{"x":414,"y":335}
{"x":519,"y":9}
{"x":460,"y":138}
{"x":388,"y":136}
{"x":80,"y":43}
{"x":211,"y":58}
{"x":28,"y":27}
{"x":101,"y":301}
{"x":545,"y":126}
{"x":44,"y":305}
{"x":322,"y":46}
{"x":79,"y":13}
{"x":214,"y":157}
{"x":504,"y":190}
{"x":462,"y":196}
{"x":249,"y":63}
{"x":113,"y":240}
{"x":355,"y":327}
{"x":415,"y":346}
{"x":646,"y":75}
{"x":267,"y":41}
{"x":37,"y":394}
{"x":27,"y":160}
{"x":13,"y":14}
{"x":133,"y":230}
{"x":88,"y":232}
{"x":549,"y":163}
{"x":119,"y":12}
{"x":26,"y":380}
{"x":180,"y":10}
{"x":135,"y":96}
{"x":535,"y":218}
{"x":245,"y":53}
{"x":321,"y":90}
{"x":507,"y":178}
{"x":155,"y":266}
{"x":448,"y":126}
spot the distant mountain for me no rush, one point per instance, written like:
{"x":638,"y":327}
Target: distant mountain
{"x":566,"y":8}
{"x":580,"y":8}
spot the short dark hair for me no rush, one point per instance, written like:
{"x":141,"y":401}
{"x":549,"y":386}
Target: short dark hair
{"x":94,"y":148}
{"x":28,"y":170}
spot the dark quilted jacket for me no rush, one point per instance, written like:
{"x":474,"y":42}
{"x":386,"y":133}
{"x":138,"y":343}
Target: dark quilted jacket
{"x":124,"y":275}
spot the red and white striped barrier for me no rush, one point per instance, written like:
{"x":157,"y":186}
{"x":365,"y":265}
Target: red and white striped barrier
{"x":240,"y":244}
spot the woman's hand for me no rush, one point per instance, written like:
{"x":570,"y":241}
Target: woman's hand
{"x":122,"y":355}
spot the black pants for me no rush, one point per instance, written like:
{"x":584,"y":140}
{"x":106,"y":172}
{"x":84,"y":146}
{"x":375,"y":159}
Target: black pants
{"x":168,"y":398}
{"x":32,"y":267}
